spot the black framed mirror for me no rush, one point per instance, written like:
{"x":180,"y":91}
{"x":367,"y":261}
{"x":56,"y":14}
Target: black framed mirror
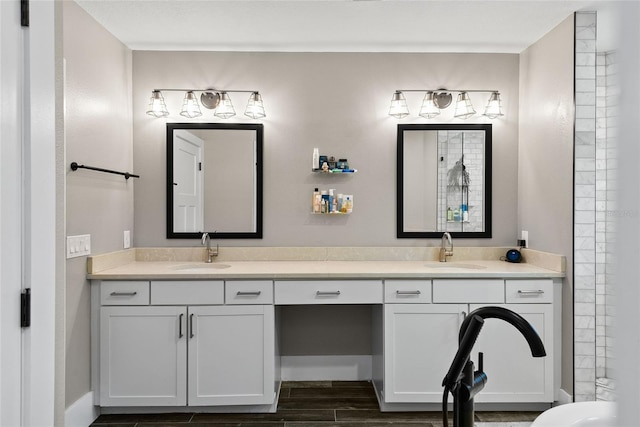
{"x":444,"y":180}
{"x":214,"y":180}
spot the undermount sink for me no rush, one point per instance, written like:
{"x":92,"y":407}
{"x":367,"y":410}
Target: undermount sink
{"x":452,"y":265}
{"x":201,"y":267}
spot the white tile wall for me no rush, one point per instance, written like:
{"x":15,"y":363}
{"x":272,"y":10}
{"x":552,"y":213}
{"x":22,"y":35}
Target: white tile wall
{"x":585,"y":211}
{"x":606,"y":214}
{"x":595,"y":213}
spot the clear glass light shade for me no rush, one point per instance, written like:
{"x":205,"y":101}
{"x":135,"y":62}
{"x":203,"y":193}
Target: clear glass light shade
{"x":398,"y":107}
{"x":157,"y":107}
{"x":255,"y":109}
{"x":429,"y":109}
{"x":464,"y":108}
{"x":494,"y":109}
{"x":190,"y":106}
{"x":225,"y":107}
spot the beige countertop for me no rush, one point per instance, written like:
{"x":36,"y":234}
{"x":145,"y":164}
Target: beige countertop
{"x":320,"y":269}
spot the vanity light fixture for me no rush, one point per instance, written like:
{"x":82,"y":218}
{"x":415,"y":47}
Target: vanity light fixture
{"x":493,"y":109}
{"x":255,"y":109}
{"x":190,"y":107}
{"x":225,"y":109}
{"x":157,"y":107}
{"x":464,"y":107}
{"x":436,"y":100}
{"x":398,"y":107}
{"x":429,"y":109}
{"x":212,"y":99}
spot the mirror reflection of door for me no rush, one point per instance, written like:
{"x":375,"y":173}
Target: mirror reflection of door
{"x":214,"y":180}
{"x":187,"y":182}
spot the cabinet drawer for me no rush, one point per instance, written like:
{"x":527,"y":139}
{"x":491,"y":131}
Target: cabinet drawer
{"x":468,"y":291}
{"x":407,"y":291}
{"x":529,"y":291}
{"x":124,"y":293}
{"x":187,"y":292}
{"x":248,"y":292}
{"x":328,"y":292}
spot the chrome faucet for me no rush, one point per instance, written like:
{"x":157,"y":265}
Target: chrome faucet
{"x":444,"y":253}
{"x":206,"y":240}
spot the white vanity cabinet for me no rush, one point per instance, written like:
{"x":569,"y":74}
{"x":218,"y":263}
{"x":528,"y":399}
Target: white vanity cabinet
{"x":143,"y":356}
{"x":421,"y":339}
{"x":231,"y":355}
{"x":182,"y":346}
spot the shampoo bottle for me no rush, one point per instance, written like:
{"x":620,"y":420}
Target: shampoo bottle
{"x":316,"y":200}
{"x":465,"y":213}
{"x":316,"y":159}
{"x":349,"y":203}
{"x":324,"y":201}
{"x":332,"y":200}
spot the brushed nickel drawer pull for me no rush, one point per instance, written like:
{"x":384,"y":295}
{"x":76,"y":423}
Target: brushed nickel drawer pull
{"x":180,"y":334}
{"x":417,"y":292}
{"x":123,"y":294}
{"x":248,"y":293}
{"x":327,"y":293}
{"x":531,"y":292}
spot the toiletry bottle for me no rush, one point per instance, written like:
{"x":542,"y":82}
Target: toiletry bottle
{"x":465,"y":213}
{"x":316,"y":159}
{"x":340,"y":203}
{"x":331,"y":200}
{"x":449,"y":214}
{"x":456,"y":215}
{"x":325,"y":201}
{"x":315,"y":201}
{"x":349,"y":203}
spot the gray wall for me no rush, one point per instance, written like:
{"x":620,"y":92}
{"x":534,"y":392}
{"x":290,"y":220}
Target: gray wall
{"x":339,"y":103}
{"x":545,"y":161}
{"x":98,"y":133}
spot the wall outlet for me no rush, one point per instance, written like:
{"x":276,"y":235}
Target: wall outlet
{"x":127,"y":239}
{"x":525,"y":237}
{"x":78,"y":246}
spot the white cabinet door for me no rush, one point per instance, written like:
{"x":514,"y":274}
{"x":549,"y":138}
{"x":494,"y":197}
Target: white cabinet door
{"x":513,"y":374}
{"x":231,"y":355}
{"x":143,"y":356}
{"x":420,"y":341}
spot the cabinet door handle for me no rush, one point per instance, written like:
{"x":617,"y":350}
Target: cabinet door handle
{"x":416,"y":292}
{"x":180,"y":334}
{"x":248,"y":293}
{"x":191,"y":334}
{"x":123,"y":294}
{"x":327,"y":293}
{"x":531,"y":292}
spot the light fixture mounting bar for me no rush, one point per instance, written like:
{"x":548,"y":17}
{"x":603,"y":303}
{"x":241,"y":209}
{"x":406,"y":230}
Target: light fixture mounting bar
{"x":446,"y":90}
{"x":205,"y":90}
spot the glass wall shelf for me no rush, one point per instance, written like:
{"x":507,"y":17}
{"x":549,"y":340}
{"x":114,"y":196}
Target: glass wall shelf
{"x":335,"y":171}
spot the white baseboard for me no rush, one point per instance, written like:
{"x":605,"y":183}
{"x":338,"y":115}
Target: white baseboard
{"x":82,"y":412}
{"x":564,"y":397}
{"x":326,"y":368}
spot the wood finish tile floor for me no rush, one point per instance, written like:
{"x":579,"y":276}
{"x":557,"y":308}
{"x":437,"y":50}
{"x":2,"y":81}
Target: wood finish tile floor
{"x":308,"y":404}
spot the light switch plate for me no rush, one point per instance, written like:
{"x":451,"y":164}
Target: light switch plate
{"x":78,"y":246}
{"x":127,"y":239}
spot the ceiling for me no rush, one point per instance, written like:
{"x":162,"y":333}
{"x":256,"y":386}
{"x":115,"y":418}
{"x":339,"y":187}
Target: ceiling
{"x":339,"y":25}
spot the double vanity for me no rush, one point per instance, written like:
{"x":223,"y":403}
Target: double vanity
{"x":171,"y":332}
